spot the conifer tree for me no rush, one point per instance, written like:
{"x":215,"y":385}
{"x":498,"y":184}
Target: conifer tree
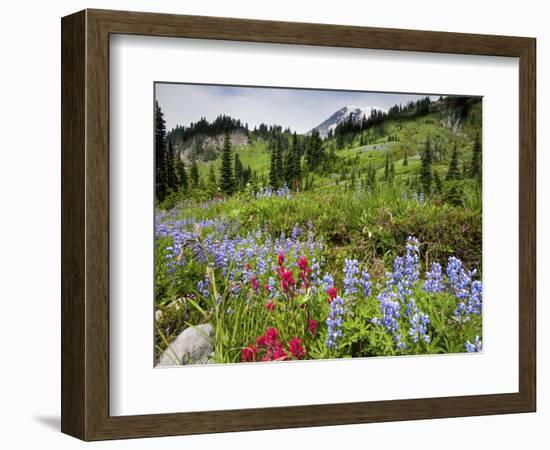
{"x":279,"y":163}
{"x":161,"y":188}
{"x":314,"y":152}
{"x":406,"y":159}
{"x":181,"y":174}
{"x":438,"y":187}
{"x":475,"y":168}
{"x":195,"y":178}
{"x":171,"y":179}
{"x":371,"y":176}
{"x":426,"y":169}
{"x":227,"y":179}
{"x":453,"y":172}
{"x":387,"y":167}
{"x":239,"y":176}
{"x":392,"y":172}
{"x":293,"y":164}
{"x":454,"y":196}
{"x":274,"y":174}
{"x":212,"y":182}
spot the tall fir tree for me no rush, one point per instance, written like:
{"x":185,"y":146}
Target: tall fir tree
{"x":314,"y":152}
{"x":212,"y":185}
{"x":195,"y":177}
{"x":161,"y":188}
{"x":181,"y":174}
{"x":387,"y":167}
{"x":392,"y":172}
{"x":171,"y":178}
{"x":296,"y":161}
{"x":274,"y":174}
{"x":475,"y":167}
{"x":239,"y":174}
{"x":438,"y":186}
{"x":279,"y":163}
{"x":227,"y":177}
{"x":454,"y":195}
{"x":426,"y":169}
{"x":453,"y":173}
{"x":293,"y":164}
{"x":406,"y":159}
{"x":371,"y":176}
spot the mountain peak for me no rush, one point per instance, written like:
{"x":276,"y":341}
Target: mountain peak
{"x":342,"y":114}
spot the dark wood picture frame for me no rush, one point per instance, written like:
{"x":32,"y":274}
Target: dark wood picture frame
{"x":85,"y":224}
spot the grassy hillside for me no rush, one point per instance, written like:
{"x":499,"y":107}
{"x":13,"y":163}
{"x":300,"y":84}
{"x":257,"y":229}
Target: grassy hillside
{"x":361,"y":257}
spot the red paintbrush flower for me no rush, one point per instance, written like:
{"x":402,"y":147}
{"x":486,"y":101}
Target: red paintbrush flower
{"x":248,"y":354}
{"x":278,"y":353}
{"x":302,"y":263}
{"x":270,"y":306}
{"x":332,"y":293}
{"x":287,"y":280}
{"x":312,"y":326}
{"x":271,"y":335}
{"x":296,"y":348}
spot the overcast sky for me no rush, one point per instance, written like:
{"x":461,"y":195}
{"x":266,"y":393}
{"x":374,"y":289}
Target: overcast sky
{"x":299,"y":109}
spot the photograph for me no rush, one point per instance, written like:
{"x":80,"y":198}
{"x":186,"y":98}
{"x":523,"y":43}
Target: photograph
{"x":297,"y":224}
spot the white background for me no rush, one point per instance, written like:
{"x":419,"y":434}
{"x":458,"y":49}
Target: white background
{"x":30,"y":234}
{"x":137,"y":388}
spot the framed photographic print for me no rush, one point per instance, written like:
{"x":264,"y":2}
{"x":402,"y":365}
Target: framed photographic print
{"x":314,"y":214}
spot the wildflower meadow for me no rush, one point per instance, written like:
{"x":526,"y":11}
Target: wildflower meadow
{"x":364,"y":242}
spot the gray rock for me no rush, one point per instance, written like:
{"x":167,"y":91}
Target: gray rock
{"x":193,"y":345}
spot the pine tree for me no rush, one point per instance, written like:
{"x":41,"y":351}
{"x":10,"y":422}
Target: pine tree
{"x":426,"y":169}
{"x":227,"y":179}
{"x":387,"y":167}
{"x":438,"y":187}
{"x":239,"y":178}
{"x":454,"y":196}
{"x":293,"y":164}
{"x":161,"y":188}
{"x":406,"y":159}
{"x":274,"y":174}
{"x":475,"y":167}
{"x":181,"y":174}
{"x":296,"y":161}
{"x":453,"y":172}
{"x":371,"y":176}
{"x":195,"y":178}
{"x":171,"y":179}
{"x":314,"y":152}
{"x":212,"y":182}
{"x":392,"y":172}
{"x":279,"y":163}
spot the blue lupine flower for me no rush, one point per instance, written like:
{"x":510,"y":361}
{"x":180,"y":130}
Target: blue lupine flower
{"x":419,"y":327}
{"x":335,"y":322}
{"x":203,"y":286}
{"x":351,"y":270}
{"x":476,"y":347}
{"x":467,"y":291}
{"x":434,"y":279}
{"x":327,"y":281}
{"x":411,"y":308}
{"x":364,"y":281}
{"x":390,"y":309}
{"x":405,"y":269}
{"x":421,"y":198}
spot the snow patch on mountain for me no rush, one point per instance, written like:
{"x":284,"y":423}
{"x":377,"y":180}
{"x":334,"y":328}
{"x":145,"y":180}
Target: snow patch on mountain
{"x":343,"y":114}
